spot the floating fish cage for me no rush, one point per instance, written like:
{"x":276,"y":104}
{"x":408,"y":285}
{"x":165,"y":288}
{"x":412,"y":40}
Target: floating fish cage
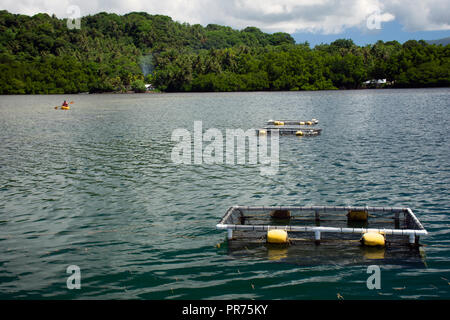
{"x":290,"y":127}
{"x":322,"y":223}
{"x":311,"y":122}
{"x":285,"y":130}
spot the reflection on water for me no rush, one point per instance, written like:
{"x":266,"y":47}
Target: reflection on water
{"x":307,"y":253}
{"x":94,"y":186}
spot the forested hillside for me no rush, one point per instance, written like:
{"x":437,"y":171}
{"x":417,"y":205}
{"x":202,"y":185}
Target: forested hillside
{"x":112,"y":53}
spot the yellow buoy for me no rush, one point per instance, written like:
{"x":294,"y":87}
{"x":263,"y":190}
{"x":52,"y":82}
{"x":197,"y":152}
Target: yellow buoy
{"x":373,"y":239}
{"x":357,"y":215}
{"x":302,"y":123}
{"x":309,"y":123}
{"x":262,"y":132}
{"x":278,"y":123}
{"x":299,"y":133}
{"x":277,"y":236}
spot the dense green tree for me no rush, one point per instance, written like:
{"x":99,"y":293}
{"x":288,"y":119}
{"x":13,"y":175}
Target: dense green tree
{"x":39,"y":54}
{"x":138,"y":86}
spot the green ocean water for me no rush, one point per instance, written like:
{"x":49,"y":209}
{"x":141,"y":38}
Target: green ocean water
{"x":96,"y":187}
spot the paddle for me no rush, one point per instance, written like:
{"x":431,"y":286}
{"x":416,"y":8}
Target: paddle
{"x":71,"y":102}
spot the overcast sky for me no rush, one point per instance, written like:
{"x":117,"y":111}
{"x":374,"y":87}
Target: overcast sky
{"x":313,"y":20}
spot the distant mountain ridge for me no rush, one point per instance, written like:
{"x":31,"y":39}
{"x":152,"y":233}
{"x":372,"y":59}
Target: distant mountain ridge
{"x":443,"y":41}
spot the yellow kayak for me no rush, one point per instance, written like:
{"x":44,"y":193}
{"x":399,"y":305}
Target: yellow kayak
{"x":64,"y":107}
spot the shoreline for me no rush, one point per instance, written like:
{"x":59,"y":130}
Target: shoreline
{"x":166,"y":92}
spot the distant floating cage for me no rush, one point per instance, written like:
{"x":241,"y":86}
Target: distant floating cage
{"x":289,"y":130}
{"x":311,"y":122}
{"x":322,"y":223}
{"x":290,"y":127}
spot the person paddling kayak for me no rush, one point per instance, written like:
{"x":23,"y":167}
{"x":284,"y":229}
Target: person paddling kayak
{"x":64,"y":106}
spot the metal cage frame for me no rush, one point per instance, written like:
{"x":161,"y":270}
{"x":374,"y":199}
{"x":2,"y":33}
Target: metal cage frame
{"x":413,"y":234}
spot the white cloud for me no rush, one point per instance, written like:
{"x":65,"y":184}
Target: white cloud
{"x":421,"y":15}
{"x":320,"y":16}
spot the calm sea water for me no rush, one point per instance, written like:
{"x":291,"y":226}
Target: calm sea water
{"x":95,"y":187}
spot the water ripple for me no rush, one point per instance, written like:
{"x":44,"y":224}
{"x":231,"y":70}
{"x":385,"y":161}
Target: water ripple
{"x":96,"y":187}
